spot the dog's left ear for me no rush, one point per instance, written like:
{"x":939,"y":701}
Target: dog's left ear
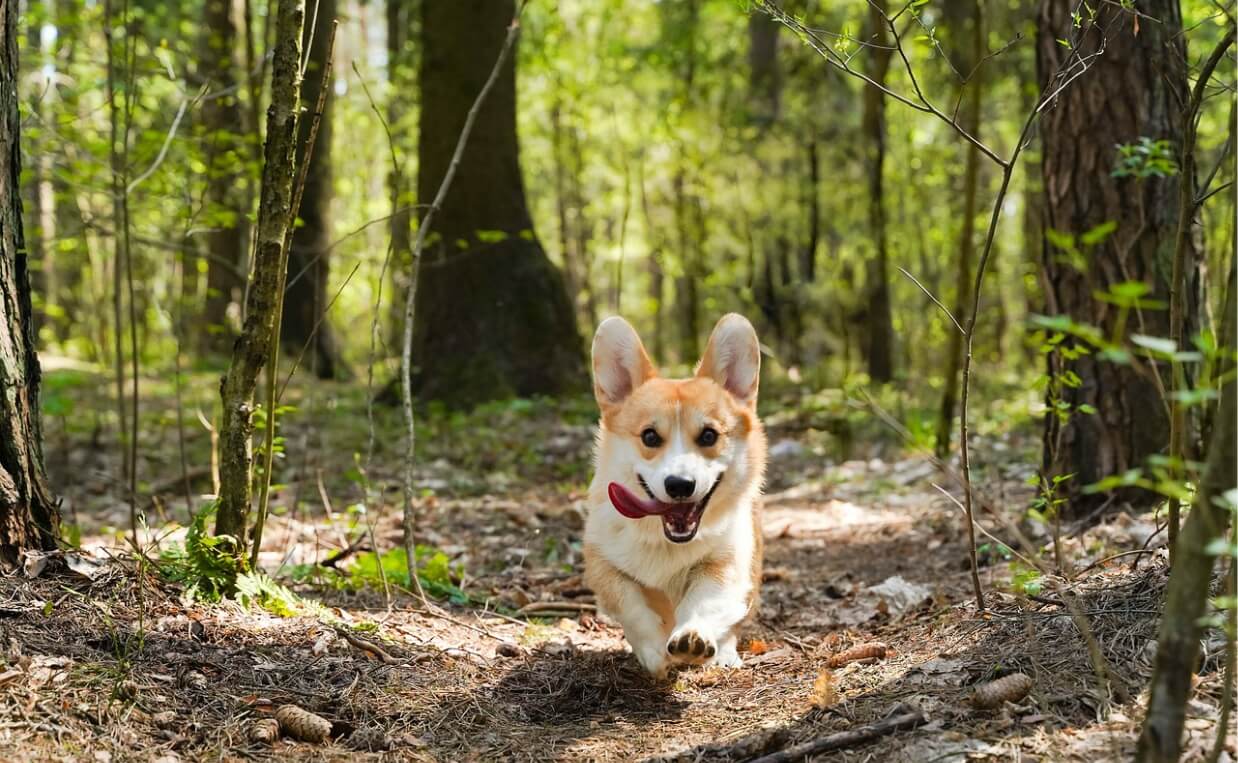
{"x":733,"y":358}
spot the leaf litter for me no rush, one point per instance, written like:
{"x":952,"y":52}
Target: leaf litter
{"x":100,"y":653}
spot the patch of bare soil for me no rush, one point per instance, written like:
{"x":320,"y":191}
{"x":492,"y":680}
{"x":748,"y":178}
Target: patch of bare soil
{"x":108,"y":663}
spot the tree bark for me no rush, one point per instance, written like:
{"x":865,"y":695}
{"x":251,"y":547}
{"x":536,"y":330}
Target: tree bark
{"x":653,"y":265}
{"x":1189,"y":583}
{"x":567,"y":251}
{"x":812,"y":205}
{"x":1135,"y":89}
{"x":224,"y":155}
{"x":306,"y":297}
{"x":879,"y":347}
{"x":493,"y":317}
{"x":967,"y":231}
{"x":28,"y":513}
{"x":400,"y":18}
{"x":764,"y":74}
{"x":253,"y":347}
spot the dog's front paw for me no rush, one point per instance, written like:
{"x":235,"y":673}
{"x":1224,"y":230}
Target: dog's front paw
{"x":691,"y":646}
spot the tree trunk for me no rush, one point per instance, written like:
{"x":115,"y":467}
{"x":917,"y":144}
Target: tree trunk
{"x":305,"y":300}
{"x":571,"y":262}
{"x":493,"y":317}
{"x":879,"y":349}
{"x":28,"y":514}
{"x":764,"y":75}
{"x":687,"y":287}
{"x":399,"y":21}
{"x":1186,"y":598}
{"x":812,"y":204}
{"x":1134,"y":90}
{"x":224,"y":155}
{"x":653,"y":267}
{"x":583,"y":227}
{"x":967,"y":232}
{"x":253,"y":347}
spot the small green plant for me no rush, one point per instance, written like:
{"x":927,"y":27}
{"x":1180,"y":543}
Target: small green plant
{"x":207,"y":564}
{"x":208,"y":567}
{"x":1025,"y":580}
{"x":434,"y":568}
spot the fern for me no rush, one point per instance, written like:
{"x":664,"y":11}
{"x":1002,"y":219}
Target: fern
{"x":208,"y":565}
{"x":210,"y":569}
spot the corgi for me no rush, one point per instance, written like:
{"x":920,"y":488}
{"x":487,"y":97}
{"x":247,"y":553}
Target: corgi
{"x":673,"y":542}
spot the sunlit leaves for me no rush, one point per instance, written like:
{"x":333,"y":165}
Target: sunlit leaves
{"x":1145,"y":158}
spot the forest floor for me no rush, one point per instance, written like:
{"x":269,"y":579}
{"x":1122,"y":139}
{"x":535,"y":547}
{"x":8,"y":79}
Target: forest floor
{"x":102,"y":658}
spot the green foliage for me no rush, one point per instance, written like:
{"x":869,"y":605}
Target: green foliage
{"x":434,"y":568}
{"x":1025,"y":580}
{"x":208,"y":567}
{"x":1145,"y":158}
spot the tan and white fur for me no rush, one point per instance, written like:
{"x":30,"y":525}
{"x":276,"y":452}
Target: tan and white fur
{"x":679,"y":601}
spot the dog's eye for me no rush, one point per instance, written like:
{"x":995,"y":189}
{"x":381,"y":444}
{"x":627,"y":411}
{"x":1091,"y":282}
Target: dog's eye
{"x":707,"y":438}
{"x":651,"y":438}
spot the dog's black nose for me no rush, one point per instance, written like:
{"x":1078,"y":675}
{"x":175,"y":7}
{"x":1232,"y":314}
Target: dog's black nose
{"x":680,"y":488}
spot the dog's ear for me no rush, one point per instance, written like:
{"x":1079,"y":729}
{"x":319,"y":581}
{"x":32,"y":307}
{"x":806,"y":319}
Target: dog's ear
{"x":620,"y":363}
{"x":733,"y":358}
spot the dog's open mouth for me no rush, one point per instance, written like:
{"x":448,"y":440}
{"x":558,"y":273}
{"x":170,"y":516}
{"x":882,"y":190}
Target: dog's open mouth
{"x":680,"y":520}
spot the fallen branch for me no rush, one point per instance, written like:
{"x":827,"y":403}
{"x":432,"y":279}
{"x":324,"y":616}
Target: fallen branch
{"x":556,"y":606}
{"x":342,"y":554}
{"x":368,"y":646}
{"x":845,"y":739}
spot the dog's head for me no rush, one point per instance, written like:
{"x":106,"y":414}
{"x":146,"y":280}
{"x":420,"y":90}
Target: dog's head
{"x":676,"y":447}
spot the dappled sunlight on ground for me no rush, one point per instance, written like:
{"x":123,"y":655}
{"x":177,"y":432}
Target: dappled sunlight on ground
{"x":512,"y":663}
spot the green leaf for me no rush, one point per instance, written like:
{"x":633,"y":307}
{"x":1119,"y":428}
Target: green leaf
{"x":1063,"y":241}
{"x":1155,"y":344}
{"x":1098,"y":233}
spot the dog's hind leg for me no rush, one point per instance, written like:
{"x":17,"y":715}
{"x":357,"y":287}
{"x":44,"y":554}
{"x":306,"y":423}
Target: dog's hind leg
{"x":645,"y":614}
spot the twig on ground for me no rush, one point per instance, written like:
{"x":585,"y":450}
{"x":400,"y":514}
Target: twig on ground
{"x":368,"y":646}
{"x":344,"y":553}
{"x":845,"y":739}
{"x":556,"y":606}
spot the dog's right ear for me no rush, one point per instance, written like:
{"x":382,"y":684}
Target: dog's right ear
{"x":620,"y":363}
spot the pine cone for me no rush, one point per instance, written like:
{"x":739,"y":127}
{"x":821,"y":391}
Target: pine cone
{"x":264,"y":731}
{"x":1011,"y":688}
{"x":302,"y":724}
{"x":873,"y":650}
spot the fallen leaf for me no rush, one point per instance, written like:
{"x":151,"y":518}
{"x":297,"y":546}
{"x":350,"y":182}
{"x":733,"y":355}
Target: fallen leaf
{"x":824,"y":691}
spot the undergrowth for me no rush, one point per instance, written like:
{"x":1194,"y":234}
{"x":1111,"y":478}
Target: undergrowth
{"x":209,"y":569}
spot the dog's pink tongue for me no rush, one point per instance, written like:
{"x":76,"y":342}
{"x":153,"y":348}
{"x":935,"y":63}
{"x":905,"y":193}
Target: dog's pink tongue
{"x":629,"y":505}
